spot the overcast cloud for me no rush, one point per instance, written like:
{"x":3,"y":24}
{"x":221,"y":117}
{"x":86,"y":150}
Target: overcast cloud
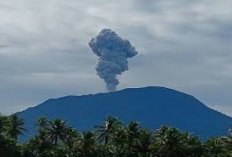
{"x":44,"y":53}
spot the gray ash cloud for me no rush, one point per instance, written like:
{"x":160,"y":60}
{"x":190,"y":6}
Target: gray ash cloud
{"x":113,"y":52}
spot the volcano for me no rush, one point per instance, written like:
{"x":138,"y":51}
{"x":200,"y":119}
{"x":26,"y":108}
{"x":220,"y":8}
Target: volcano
{"x":151,"y":106}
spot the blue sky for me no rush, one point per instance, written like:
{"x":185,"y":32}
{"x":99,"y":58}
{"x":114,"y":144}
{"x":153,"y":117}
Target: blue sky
{"x":44,"y":53}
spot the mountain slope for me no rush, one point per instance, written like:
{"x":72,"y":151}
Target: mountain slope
{"x":152,"y":106}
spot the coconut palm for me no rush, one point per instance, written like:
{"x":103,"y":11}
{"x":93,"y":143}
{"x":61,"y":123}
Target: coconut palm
{"x":15,"y":128}
{"x":57,"y":131}
{"x":106,"y":131}
{"x":39,"y":146}
{"x":70,"y":140}
{"x":143,"y":144}
{"x":216,"y":147}
{"x":57,"y":139}
{"x":8,"y":147}
{"x":42,"y":123}
{"x":132,"y":129}
{"x":172,"y":142}
{"x":229,"y":140}
{"x":119,"y":142}
{"x":4,"y":123}
{"x":86,"y":144}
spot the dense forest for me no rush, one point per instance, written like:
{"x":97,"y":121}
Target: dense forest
{"x":111,"y":139}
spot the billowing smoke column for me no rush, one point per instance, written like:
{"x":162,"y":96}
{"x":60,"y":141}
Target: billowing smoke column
{"x":113,"y":53}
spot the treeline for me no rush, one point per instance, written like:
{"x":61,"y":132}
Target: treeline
{"x":112,"y":139}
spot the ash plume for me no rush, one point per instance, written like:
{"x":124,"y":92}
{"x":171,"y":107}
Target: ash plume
{"x":113,"y":53}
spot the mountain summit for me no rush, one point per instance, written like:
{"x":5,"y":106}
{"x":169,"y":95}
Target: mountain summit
{"x":151,"y":106}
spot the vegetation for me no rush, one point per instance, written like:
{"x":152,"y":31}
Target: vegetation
{"x":112,"y":139}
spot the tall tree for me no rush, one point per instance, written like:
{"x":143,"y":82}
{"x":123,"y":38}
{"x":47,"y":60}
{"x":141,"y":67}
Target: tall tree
{"x":57,"y":130}
{"x":216,"y":147}
{"x":119,"y":142}
{"x":4,"y":123}
{"x":15,"y":128}
{"x":133,"y":129}
{"x":172,"y":142}
{"x":42,"y":123}
{"x":143,"y":144}
{"x":70,"y":141}
{"x":39,"y":146}
{"x":86,"y":144}
{"x":9,"y":147}
{"x":106,"y":131}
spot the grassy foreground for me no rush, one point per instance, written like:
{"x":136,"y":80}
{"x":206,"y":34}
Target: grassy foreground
{"x":111,"y":139}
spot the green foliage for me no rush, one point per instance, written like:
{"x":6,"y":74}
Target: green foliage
{"x":113,"y":139}
{"x":15,"y":127}
{"x":9,"y":147}
{"x":8,"y":141}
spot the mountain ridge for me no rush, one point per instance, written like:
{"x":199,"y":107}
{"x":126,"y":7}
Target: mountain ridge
{"x":152,"y":106}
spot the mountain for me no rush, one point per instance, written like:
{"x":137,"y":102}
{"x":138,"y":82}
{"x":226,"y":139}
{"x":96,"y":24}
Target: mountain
{"x":151,"y":106}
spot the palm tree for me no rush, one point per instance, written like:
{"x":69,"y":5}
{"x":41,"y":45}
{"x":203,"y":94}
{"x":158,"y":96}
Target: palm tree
{"x":4,"y":123}
{"x":143,"y":144}
{"x":8,"y":147}
{"x":229,"y":139}
{"x":133,"y":132}
{"x":106,"y":131}
{"x":86,"y":144}
{"x":39,"y":146}
{"x":119,"y":141}
{"x":15,"y":128}
{"x":42,"y":123}
{"x":215,"y":147}
{"x":227,"y":142}
{"x":171,"y":142}
{"x":114,"y":140}
{"x":57,"y":130}
{"x":70,"y":140}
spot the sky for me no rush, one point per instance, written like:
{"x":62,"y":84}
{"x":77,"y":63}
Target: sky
{"x":182,"y":44}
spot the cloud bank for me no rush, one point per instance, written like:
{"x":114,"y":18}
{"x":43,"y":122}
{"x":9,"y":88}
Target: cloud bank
{"x":184,"y":45}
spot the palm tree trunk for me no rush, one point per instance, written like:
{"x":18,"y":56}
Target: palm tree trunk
{"x":56,"y":141}
{"x":106,"y":140}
